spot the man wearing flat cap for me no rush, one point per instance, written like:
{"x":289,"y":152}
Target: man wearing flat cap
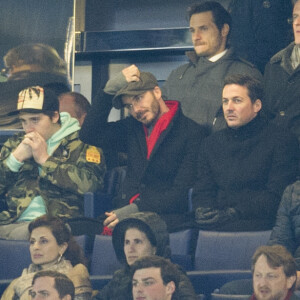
{"x":46,"y":168}
{"x":161,"y":144}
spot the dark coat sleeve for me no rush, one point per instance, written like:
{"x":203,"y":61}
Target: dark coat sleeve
{"x":286,"y":231}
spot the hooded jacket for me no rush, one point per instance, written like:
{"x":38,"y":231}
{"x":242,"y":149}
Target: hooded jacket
{"x":120,"y":287}
{"x":198,"y":85}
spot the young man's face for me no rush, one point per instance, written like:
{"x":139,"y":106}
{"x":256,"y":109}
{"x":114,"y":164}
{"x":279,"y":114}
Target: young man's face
{"x":270,"y":283}
{"x":40,"y":123}
{"x":296,"y":22}
{"x":237,"y":106}
{"x":147,"y":284}
{"x":43,"y":288}
{"x":145,"y":107}
{"x":207,"y":39}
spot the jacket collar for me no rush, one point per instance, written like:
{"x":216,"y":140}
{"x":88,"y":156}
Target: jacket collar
{"x":284,"y":58}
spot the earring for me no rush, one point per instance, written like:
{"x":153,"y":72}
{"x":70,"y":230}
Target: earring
{"x":59,"y":258}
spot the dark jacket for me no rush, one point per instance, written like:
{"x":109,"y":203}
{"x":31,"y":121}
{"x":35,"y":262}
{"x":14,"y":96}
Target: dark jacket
{"x":282,"y":90}
{"x":286,"y":231}
{"x":259,"y":28}
{"x":246,"y":169}
{"x":10,"y":89}
{"x":162,"y":180}
{"x":120,"y":287}
{"x":198,"y":85}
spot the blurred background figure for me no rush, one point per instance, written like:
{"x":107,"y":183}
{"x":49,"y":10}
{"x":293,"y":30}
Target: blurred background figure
{"x":75,"y":104}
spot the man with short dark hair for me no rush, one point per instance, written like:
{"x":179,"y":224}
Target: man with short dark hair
{"x":75,"y":104}
{"x":46,"y":168}
{"x":274,"y":274}
{"x":244,"y":168}
{"x":154,"y":278}
{"x":161,"y":144}
{"x":198,"y":85}
{"x":51,"y":285}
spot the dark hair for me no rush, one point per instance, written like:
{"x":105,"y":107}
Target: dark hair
{"x":277,"y":256}
{"x":62,"y":234}
{"x":44,"y":56}
{"x":220,"y":15}
{"x":254,"y":86}
{"x":50,"y":114}
{"x":169,"y":272}
{"x":62,"y":283}
{"x":143,"y":228}
{"x":82,"y":105}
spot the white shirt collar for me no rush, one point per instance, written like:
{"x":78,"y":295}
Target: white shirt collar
{"x":217,"y":56}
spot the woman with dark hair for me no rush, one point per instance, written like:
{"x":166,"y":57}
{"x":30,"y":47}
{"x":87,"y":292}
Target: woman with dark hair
{"x":52,"y":247}
{"x":141,"y":234}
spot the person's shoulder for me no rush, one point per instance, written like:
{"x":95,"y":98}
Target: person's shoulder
{"x":79,"y":269}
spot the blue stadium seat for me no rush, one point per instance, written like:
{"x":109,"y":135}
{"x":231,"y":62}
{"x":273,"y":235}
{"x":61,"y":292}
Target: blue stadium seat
{"x":227,"y":250}
{"x":15,"y":256}
{"x":206,"y":282}
{"x":180,"y":244}
{"x":103,"y":259}
{"x":96,"y":203}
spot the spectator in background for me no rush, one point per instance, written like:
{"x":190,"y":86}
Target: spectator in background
{"x":243,"y":169}
{"x":161,"y":144}
{"x":198,"y":85}
{"x":75,"y":104}
{"x":155,"y":278}
{"x":46,"y":168}
{"x":52,"y":285}
{"x":274,"y":274}
{"x":52,"y":247}
{"x":259,"y":28}
{"x":139,"y":235}
{"x":30,"y":65}
{"x":282,"y":81}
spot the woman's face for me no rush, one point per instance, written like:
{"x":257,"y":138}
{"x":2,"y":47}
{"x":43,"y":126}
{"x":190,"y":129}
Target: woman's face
{"x":136,"y":245}
{"x":44,"y":249}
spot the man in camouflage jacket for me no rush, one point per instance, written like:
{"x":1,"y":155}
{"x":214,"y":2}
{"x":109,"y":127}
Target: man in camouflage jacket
{"x":46,"y":169}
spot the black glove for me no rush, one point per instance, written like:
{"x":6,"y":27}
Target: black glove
{"x":206,"y":216}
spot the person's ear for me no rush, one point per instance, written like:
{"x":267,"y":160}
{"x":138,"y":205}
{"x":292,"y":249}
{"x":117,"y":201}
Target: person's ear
{"x":290,"y":281}
{"x":55,"y":117}
{"x":225,"y":30}
{"x":170,"y":288}
{"x":67,"y":297}
{"x":157,"y":92}
{"x":62,"y":248}
{"x":257,"y":105}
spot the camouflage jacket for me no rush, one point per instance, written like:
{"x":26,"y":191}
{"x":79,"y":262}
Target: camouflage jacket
{"x":73,"y":169}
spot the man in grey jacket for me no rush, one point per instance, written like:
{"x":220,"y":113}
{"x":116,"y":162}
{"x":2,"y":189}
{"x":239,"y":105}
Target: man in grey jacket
{"x":198,"y":84}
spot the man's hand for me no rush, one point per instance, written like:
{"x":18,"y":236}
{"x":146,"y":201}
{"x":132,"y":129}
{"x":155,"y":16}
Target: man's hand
{"x":207,"y":216}
{"x":38,"y":146}
{"x":22,"y":152}
{"x":131,"y":73}
{"x":111,"y":221}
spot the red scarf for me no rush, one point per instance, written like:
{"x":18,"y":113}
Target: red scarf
{"x":161,"y":125}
